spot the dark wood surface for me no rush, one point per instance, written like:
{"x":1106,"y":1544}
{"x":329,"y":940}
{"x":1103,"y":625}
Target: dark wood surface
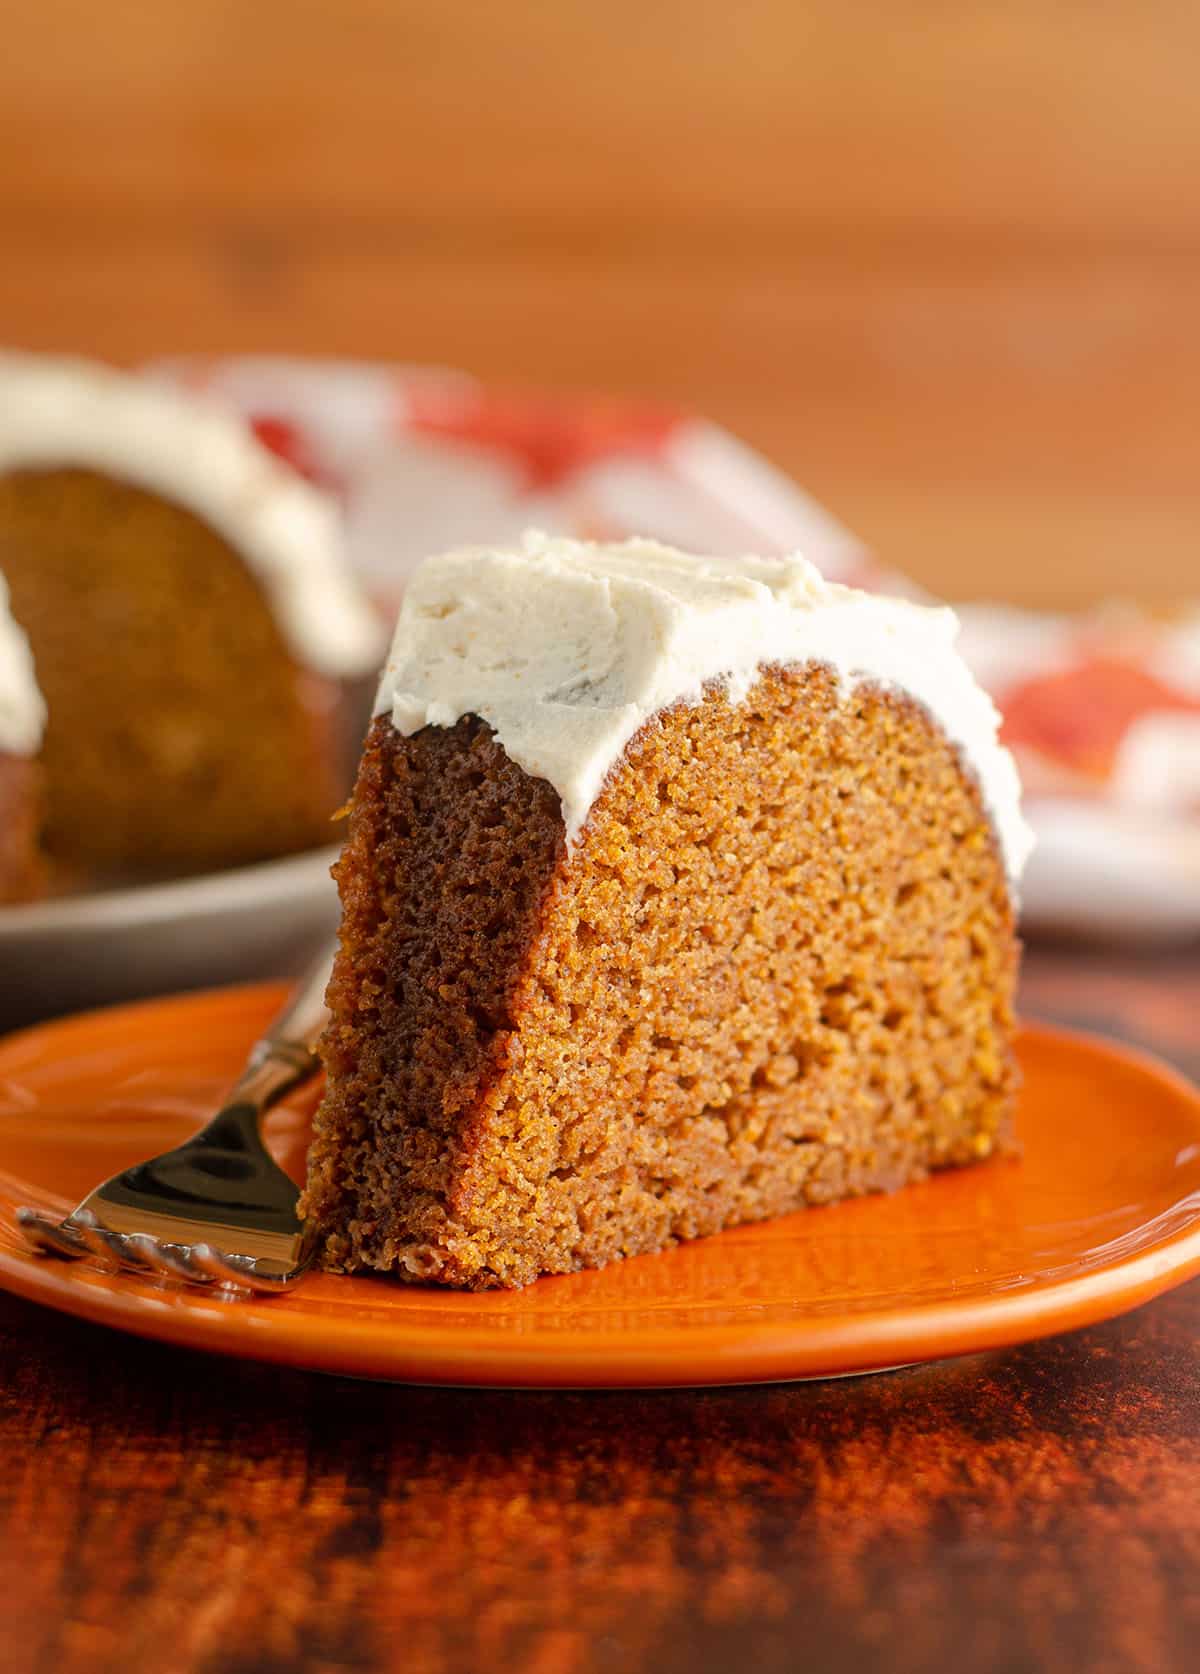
{"x":1037,"y":1509}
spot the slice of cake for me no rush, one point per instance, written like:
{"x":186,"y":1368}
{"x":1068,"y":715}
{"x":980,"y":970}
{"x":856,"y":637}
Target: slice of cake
{"x":174,"y":579}
{"x":22,"y":719}
{"x":677,"y":894}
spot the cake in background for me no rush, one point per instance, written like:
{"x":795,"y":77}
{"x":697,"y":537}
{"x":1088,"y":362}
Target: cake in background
{"x":678,"y":893}
{"x":196,"y":635}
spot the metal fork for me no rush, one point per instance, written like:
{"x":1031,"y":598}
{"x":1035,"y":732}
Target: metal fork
{"x":217,"y":1210}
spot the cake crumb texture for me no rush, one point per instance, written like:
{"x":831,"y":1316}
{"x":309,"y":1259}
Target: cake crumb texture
{"x":22,"y":873}
{"x":776,"y":970}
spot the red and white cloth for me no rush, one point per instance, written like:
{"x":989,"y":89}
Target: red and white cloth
{"x":1103,"y":710}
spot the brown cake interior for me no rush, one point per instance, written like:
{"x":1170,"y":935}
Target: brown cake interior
{"x":182,"y":734}
{"x":22,"y":874}
{"x":776,"y":971}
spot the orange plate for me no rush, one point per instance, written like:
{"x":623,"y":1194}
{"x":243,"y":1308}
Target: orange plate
{"x":1101,"y":1213}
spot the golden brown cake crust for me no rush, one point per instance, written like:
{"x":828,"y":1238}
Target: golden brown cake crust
{"x":22,"y":874}
{"x":777,"y":970}
{"x":182,"y":735}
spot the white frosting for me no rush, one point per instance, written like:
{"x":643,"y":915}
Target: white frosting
{"x":22,"y":712}
{"x":566,"y":649}
{"x":68,"y":412}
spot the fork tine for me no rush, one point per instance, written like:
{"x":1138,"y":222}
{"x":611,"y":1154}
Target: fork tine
{"x":172,"y":1261}
{"x":49,"y":1237}
{"x":98,"y":1246}
{"x":271,"y":1284}
{"x":246,"y":1272}
{"x":81,"y":1235}
{"x":111,"y":1247}
{"x":243,"y":1271}
{"x":215,"y":1265}
{"x":128,"y":1254}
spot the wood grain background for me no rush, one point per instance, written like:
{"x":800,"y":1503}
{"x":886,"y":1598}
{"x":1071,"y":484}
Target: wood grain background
{"x":940,"y":260}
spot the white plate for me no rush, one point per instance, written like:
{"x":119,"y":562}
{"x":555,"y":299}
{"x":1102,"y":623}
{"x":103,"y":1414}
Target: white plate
{"x":90,"y":950}
{"x":1117,"y":874}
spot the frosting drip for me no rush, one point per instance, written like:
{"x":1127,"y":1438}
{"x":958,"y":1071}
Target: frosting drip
{"x":22,"y":712}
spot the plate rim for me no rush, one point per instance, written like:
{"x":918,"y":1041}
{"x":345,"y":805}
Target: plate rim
{"x":264,"y":883}
{"x":681,"y":1356}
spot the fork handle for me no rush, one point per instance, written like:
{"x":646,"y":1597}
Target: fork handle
{"x":285,"y":1055}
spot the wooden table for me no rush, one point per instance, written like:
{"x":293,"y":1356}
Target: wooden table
{"x":1036,"y":1510}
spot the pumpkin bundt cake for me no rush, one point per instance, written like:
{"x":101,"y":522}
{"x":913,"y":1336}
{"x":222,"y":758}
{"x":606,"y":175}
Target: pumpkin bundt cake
{"x":677,"y":894}
{"x":173,"y":577}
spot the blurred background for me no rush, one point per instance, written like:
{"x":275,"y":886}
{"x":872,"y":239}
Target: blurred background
{"x":940,"y":261}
